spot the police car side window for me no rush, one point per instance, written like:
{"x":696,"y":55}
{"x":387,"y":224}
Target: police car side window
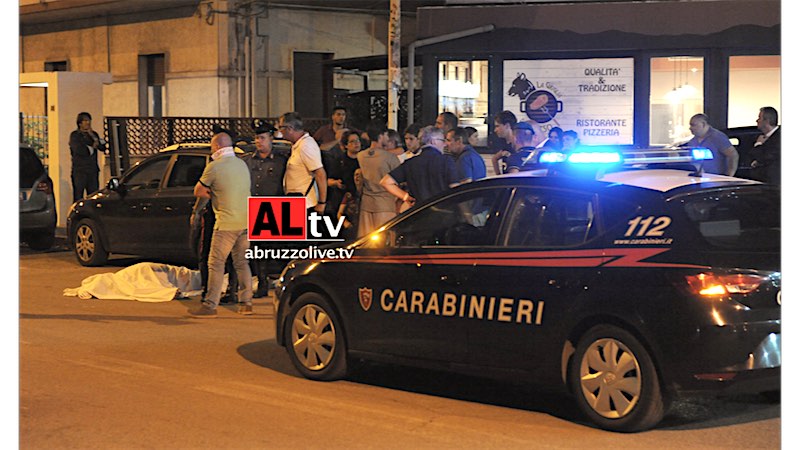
{"x":461,"y":220}
{"x":542,"y":218}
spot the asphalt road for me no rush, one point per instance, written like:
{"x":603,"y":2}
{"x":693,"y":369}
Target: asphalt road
{"x":126,"y":374}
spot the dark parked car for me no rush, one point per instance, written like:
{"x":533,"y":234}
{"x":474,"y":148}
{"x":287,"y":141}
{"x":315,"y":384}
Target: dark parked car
{"x":146,"y":211}
{"x":624,"y":289}
{"x":37,"y":205}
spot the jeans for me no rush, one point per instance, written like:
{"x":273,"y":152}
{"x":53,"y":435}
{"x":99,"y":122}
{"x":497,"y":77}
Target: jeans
{"x":224,"y":243}
{"x":84,"y":181}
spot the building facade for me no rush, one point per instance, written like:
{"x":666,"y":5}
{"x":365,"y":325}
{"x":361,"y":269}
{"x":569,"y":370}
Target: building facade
{"x":629,"y":73}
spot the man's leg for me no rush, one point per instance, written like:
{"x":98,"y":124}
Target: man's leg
{"x":243,"y":272}
{"x":78,"y":185}
{"x":206,"y":231}
{"x":92,"y":183}
{"x":221,"y":244}
{"x":229,"y":296}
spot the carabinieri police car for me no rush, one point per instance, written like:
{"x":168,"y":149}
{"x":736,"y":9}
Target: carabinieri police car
{"x":626,"y":287}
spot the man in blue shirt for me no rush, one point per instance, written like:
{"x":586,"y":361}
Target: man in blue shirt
{"x":469,"y":164}
{"x":726,"y":158}
{"x":427,"y":174}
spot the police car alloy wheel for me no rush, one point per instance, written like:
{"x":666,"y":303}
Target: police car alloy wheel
{"x":88,"y":247}
{"x":615,"y":382}
{"x":315,"y":338}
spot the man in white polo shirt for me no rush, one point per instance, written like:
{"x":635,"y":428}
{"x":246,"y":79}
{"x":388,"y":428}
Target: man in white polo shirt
{"x":304,"y":172}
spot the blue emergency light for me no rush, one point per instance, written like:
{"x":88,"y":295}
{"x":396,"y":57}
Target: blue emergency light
{"x":582,"y":157}
{"x":601,"y":159}
{"x":701,"y":154}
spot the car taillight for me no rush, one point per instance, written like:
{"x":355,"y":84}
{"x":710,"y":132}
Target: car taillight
{"x":45,"y":187}
{"x":711,"y":285}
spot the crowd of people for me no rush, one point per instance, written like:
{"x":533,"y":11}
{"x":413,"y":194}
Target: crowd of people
{"x":367,"y":177}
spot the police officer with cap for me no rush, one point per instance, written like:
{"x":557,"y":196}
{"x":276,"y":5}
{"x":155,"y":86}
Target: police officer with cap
{"x":266,"y":177}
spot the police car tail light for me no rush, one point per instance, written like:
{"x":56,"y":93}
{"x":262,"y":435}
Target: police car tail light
{"x":711,"y":285}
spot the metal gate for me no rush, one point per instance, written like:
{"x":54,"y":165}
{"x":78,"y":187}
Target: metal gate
{"x":138,"y":137}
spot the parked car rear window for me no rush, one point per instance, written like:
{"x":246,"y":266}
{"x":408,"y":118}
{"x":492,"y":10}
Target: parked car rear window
{"x":30,"y":167}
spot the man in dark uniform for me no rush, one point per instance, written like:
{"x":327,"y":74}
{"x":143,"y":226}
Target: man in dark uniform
{"x":84,"y":143}
{"x":266,"y":180}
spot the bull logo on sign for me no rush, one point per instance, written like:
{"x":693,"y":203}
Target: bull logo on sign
{"x":365,"y":298}
{"x":521,"y":86}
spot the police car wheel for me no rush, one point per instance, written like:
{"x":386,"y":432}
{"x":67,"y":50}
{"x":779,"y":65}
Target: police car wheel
{"x":87,"y":244}
{"x":315,"y":339}
{"x":615,"y":382}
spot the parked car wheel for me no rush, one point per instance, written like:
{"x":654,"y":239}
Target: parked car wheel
{"x":615,"y":381}
{"x":315,"y":339}
{"x":41,"y":241}
{"x":88,"y":244}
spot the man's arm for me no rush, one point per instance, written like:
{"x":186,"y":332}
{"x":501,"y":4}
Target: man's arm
{"x":201,"y":191}
{"x":197,"y":210}
{"x":731,"y":159}
{"x":496,"y":160}
{"x":322,"y":185}
{"x":390,"y":184}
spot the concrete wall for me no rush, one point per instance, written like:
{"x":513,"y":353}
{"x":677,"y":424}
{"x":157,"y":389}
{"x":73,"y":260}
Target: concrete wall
{"x":205,"y":63}
{"x":68,"y":94}
{"x":662,"y":18}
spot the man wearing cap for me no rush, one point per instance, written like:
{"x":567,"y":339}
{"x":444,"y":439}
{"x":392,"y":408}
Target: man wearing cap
{"x":266,"y":180}
{"x":526,"y":153}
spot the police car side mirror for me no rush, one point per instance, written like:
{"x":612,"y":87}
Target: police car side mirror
{"x":113,"y":184}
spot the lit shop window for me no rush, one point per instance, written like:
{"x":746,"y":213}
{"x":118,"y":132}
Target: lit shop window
{"x":753,"y":82}
{"x":464,"y":91}
{"x":676,"y":94}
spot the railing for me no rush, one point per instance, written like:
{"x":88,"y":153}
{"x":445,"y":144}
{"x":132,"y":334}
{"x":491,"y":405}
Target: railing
{"x":138,"y":137}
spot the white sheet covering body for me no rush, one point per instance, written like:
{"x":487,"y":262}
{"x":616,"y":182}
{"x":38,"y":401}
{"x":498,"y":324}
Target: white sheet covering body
{"x":144,"y":282}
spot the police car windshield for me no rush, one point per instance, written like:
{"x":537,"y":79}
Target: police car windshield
{"x":744,"y":219}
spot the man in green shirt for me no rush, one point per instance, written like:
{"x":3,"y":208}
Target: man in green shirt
{"x":226,"y":181}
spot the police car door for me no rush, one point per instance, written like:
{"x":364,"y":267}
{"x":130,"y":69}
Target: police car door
{"x":543,"y":263}
{"x":425,"y":265}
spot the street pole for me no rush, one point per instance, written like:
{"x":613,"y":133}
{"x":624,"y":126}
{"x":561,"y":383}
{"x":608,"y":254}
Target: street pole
{"x":394,"y":79}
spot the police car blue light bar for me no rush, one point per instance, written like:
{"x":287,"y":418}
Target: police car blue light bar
{"x":700,"y":154}
{"x":666,"y":155}
{"x":582,"y":157}
{"x":552,"y":157}
{"x":605,"y":155}
{"x":598,"y":157}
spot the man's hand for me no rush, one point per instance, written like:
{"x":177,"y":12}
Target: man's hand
{"x":319,"y":208}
